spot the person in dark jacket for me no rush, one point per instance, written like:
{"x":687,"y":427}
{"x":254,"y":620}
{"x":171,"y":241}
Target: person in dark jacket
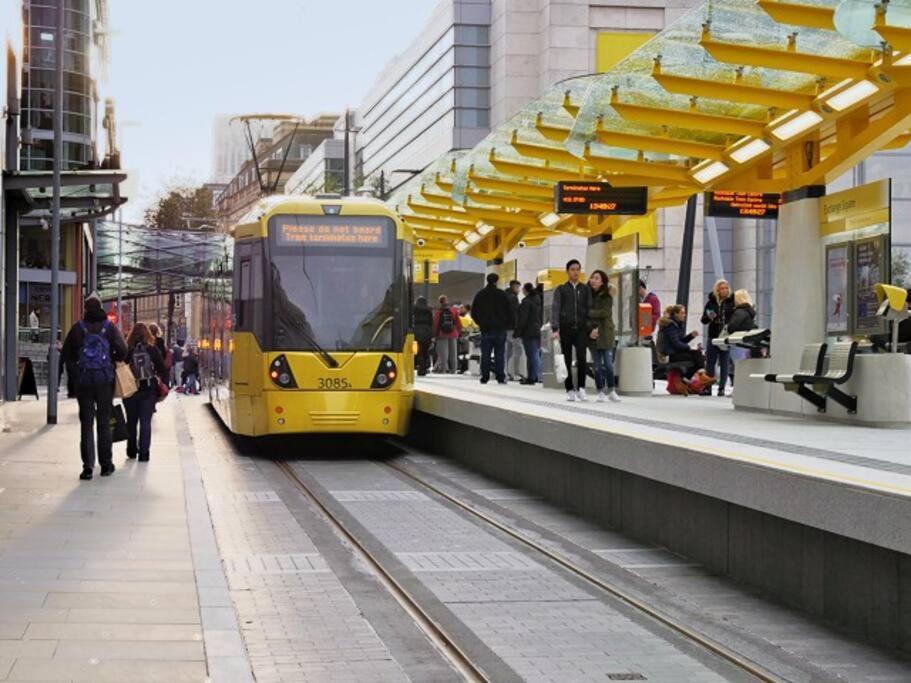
{"x":570,"y":324}
{"x":190,"y":371}
{"x":94,"y":389}
{"x":674,"y":341}
{"x":717,"y":314}
{"x":493,"y":315}
{"x":155,"y":331}
{"x":423,"y":333}
{"x":513,"y":343}
{"x":603,"y":335}
{"x":529,"y":319}
{"x":743,"y":319}
{"x":148,"y":367}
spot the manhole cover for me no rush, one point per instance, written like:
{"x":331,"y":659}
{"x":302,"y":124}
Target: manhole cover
{"x":256,"y":496}
{"x":626,"y":677}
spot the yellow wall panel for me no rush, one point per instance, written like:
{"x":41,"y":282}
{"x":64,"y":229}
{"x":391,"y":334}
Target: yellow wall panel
{"x":612,"y":46}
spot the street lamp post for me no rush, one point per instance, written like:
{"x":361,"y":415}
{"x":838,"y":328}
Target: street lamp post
{"x":53,"y":374}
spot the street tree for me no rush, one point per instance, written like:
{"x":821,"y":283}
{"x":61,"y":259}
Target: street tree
{"x":180,"y":204}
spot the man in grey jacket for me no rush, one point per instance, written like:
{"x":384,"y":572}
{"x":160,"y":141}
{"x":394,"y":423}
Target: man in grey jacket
{"x":570,"y":324}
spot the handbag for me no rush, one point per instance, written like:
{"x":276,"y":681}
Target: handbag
{"x":161,"y":390}
{"x":124,"y":381}
{"x":560,"y":369}
{"x":118,"y":424}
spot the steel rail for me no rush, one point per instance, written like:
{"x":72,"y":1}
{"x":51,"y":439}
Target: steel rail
{"x":435,"y":633}
{"x":704,"y":642}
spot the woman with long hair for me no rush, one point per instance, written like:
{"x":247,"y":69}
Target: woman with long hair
{"x":716,"y":315}
{"x":148,"y":367}
{"x":603,"y":335}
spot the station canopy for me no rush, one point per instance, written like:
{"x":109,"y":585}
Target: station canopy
{"x":155,"y":261}
{"x":735,"y":95}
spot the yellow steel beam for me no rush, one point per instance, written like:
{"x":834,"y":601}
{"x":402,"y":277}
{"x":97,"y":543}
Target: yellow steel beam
{"x":785,"y":59}
{"x":898,"y":37}
{"x":655,"y":143}
{"x":509,"y":201}
{"x":658,"y":170}
{"x":436,"y":211}
{"x":571,"y":108}
{"x":693,"y":120}
{"x":511,"y":186}
{"x":439,"y":224}
{"x":445,"y":184}
{"x":733,"y":92}
{"x":434,"y":198}
{"x":811,"y":16}
{"x":551,"y":132}
{"x":556,"y":154}
{"x":535,"y":171}
{"x":503,"y":218}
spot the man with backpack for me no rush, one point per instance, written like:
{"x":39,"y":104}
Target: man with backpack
{"x":93,"y":345}
{"x":446,"y":329}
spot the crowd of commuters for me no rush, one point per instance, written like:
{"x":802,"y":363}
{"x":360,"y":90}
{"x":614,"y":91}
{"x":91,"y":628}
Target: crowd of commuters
{"x":92,"y":353}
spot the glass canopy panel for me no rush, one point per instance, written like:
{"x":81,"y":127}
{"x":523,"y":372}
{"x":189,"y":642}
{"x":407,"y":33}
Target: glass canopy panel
{"x":442,"y":166}
{"x":740,"y":22}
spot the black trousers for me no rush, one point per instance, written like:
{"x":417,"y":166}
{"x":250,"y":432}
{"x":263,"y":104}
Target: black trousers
{"x":95,"y":405}
{"x":572,"y":338}
{"x":694,"y":356}
{"x":422,"y":360}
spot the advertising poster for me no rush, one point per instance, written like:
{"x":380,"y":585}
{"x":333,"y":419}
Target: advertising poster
{"x":868,"y":271}
{"x":837,"y":301}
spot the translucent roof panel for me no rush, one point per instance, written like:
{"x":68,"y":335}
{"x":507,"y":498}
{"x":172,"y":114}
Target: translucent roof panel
{"x":741,"y":22}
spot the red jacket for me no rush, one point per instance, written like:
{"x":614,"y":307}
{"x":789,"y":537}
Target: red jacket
{"x":652,"y":300}
{"x":456,"y":324}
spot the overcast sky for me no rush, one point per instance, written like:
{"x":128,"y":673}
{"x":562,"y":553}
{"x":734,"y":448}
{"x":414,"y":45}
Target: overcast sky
{"x":176,"y":64}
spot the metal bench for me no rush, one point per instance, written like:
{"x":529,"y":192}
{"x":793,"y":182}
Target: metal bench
{"x":753,"y":340}
{"x":812,"y":360}
{"x":839,"y":370}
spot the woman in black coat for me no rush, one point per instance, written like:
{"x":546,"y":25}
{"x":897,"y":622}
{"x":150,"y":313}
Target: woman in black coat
{"x":743,"y":319}
{"x":717,"y":313}
{"x":423,"y":333}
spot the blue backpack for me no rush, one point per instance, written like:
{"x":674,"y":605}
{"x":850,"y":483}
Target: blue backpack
{"x":95,"y":364}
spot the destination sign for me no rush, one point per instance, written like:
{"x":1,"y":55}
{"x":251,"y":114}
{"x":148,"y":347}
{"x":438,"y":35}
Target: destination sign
{"x":730,"y":204}
{"x":599,"y":198}
{"x":329,"y":234}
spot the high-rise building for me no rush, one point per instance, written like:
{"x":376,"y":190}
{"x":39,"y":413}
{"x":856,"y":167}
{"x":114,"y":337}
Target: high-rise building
{"x":230,"y":148}
{"x":90,"y":163}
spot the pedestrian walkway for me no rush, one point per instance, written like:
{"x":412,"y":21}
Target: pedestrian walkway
{"x":110,"y":579}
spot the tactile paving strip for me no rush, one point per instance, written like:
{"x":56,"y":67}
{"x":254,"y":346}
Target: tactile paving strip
{"x":466,"y":561}
{"x":261,"y":564}
{"x":377,"y":496}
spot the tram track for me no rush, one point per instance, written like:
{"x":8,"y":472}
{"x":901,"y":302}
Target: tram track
{"x":713,"y":647}
{"x":442,"y":641}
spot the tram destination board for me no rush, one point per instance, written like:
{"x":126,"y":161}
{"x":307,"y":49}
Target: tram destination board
{"x":329,"y":233}
{"x":730,"y":204}
{"x":599,"y":198}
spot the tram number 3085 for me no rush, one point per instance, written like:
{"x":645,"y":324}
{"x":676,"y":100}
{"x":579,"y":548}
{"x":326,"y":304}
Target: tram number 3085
{"x":333,"y":383}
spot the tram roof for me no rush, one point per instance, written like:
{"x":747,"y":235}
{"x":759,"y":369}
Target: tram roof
{"x":275,"y":204}
{"x":746,"y":95}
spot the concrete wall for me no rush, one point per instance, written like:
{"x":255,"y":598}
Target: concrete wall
{"x":856,"y":586}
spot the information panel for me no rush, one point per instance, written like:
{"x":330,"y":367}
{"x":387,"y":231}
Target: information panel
{"x":869,"y":269}
{"x":327,"y":233}
{"x":730,"y":204}
{"x":599,"y":198}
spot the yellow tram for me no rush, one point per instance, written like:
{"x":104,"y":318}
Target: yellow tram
{"x":307,"y":325}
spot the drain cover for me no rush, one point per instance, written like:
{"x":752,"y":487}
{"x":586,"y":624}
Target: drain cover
{"x":466,"y":561}
{"x":371,"y":496}
{"x":626,"y":677}
{"x":272,"y":564}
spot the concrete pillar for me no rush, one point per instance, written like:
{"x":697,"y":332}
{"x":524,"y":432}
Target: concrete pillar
{"x":798,"y":298}
{"x":11,"y":304}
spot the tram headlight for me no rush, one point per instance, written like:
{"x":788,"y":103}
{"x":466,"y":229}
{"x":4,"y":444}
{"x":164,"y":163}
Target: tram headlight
{"x":385,"y":374}
{"x":280,"y":373}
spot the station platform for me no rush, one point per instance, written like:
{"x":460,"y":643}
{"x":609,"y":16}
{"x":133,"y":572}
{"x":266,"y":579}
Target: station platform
{"x":767,"y":499}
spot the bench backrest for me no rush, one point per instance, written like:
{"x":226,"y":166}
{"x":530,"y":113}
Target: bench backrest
{"x":841,"y":360}
{"x":812,"y":359}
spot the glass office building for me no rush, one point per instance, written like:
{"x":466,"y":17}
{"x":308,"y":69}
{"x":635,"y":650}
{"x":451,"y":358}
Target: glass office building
{"x":433,"y":98}
{"x":80,"y":88}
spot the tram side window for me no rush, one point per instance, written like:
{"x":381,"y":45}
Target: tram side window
{"x":248,"y":289}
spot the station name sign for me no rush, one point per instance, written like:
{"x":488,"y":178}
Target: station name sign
{"x":333,"y":235}
{"x":599,"y":198}
{"x":730,"y":204}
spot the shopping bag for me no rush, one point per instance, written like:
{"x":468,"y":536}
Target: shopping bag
{"x":118,"y":424}
{"x":161,"y":390}
{"x":560,"y":369}
{"x":124,"y":381}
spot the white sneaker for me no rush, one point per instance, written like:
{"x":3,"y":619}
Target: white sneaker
{"x":582,"y":396}
{"x":570,"y":396}
{"x":614,"y":397}
{"x":600,"y":398}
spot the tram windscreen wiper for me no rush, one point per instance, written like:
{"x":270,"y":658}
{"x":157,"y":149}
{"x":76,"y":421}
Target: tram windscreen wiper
{"x":330,"y":361}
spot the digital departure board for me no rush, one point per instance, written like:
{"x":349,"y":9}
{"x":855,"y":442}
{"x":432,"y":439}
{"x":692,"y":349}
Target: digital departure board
{"x":599,"y":198}
{"x":730,"y":204}
{"x":329,"y":233}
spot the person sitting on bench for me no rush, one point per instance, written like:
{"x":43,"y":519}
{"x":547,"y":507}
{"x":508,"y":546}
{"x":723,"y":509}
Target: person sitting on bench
{"x":674,"y":341}
{"x":882,"y":342}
